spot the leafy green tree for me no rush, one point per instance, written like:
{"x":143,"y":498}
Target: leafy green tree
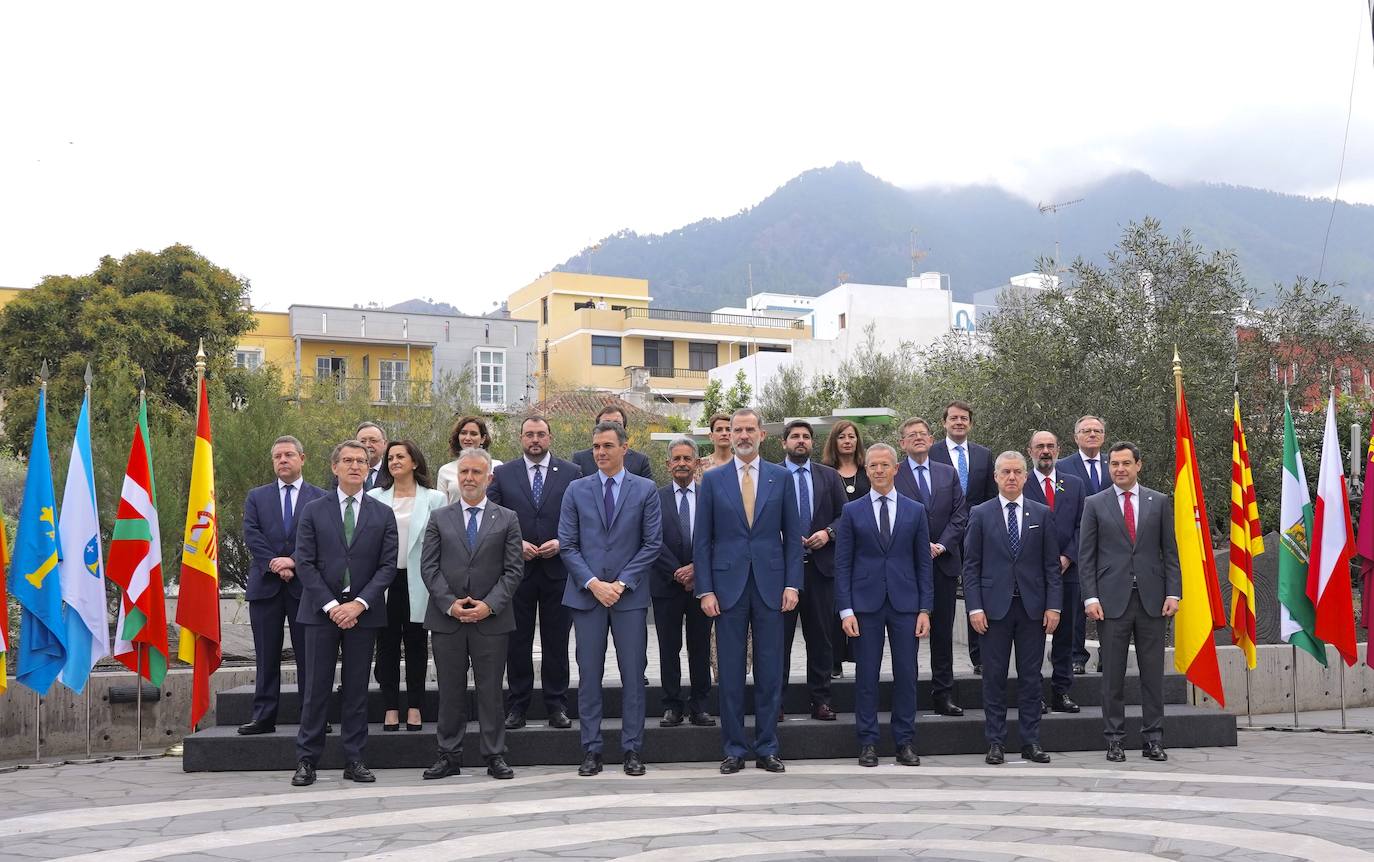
{"x":713,"y":399}
{"x":740,"y":394}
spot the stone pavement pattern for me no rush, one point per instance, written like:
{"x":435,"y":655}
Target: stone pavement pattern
{"x":1277,"y":796}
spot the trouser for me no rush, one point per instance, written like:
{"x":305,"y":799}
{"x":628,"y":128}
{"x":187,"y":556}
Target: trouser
{"x":631,"y":633}
{"x":541,"y":597}
{"x":1026,"y":634}
{"x":671,"y":615}
{"x":453,"y":653}
{"x":1062,"y":644}
{"x":1115,"y":637}
{"x":900,"y":629}
{"x":267,"y":617}
{"x":733,"y":627}
{"x":942,"y":635}
{"x":326,"y":645}
{"x":815,"y":608}
{"x":401,"y":632}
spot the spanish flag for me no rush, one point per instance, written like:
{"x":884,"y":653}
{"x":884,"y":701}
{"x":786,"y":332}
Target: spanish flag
{"x":1200,"y":612}
{"x":198,"y":600}
{"x":1247,"y":542}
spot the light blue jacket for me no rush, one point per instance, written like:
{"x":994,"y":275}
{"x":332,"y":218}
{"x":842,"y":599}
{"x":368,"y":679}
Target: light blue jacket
{"x":426,"y":501}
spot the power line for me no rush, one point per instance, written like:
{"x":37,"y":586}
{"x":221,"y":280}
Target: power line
{"x":1349,"y":112}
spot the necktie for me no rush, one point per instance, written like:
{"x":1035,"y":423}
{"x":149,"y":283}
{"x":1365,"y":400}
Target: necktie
{"x":1049,"y":493}
{"x":537,"y":486}
{"x":349,"y":522}
{"x":286,"y":511}
{"x":472,"y":526}
{"x":923,"y":483}
{"x":804,"y":492}
{"x":963,"y":469}
{"x":1013,"y":530}
{"x":1094,"y":476}
{"x":370,"y":480}
{"x":684,"y":515}
{"x":884,"y":522}
{"x":746,"y":492}
{"x":610,"y":500}
{"x":1129,"y":511}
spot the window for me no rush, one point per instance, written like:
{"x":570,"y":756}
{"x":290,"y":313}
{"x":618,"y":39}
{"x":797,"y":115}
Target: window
{"x":491,"y":378}
{"x":842,"y":320}
{"x":658,"y":357}
{"x":249,"y":358}
{"x":329,"y":366}
{"x":605,"y":350}
{"x":393,"y":374}
{"x":702,"y":356}
{"x":744,"y":351}
{"x":771,"y":348}
{"x":544,"y":310}
{"x":1345,"y":380}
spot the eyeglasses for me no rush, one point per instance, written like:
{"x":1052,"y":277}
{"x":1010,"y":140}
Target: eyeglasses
{"x":353,"y":462}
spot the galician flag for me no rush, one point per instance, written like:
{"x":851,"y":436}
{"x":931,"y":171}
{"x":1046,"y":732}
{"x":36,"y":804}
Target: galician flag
{"x":135,"y":563}
{"x":1247,"y":542}
{"x":198,"y":600}
{"x":4,"y":603}
{"x":1297,"y":616}
{"x":82,"y":569}
{"x":35,"y":582}
{"x":1333,"y":545}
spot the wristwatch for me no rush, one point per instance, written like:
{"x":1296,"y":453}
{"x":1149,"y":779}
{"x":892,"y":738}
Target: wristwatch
{"x":830,"y":531}
{"x":925,"y":611}
{"x":622,"y":585}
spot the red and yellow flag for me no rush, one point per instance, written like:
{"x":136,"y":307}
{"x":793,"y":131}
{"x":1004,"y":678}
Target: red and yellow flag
{"x":198,"y":600}
{"x":1247,"y":542}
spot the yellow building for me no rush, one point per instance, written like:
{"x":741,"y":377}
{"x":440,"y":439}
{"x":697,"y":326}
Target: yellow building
{"x":592,"y":331}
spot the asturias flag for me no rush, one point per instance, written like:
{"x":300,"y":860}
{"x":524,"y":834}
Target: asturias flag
{"x":82,"y":568}
{"x":198,"y":600}
{"x":4,"y":603}
{"x":35,"y":582}
{"x":1333,"y":544}
{"x":1247,"y":542}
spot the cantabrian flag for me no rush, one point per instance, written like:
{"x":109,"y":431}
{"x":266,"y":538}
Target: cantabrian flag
{"x":198,"y":600}
{"x":1200,"y":612}
{"x":4,"y":604}
{"x":1333,"y":545}
{"x":1247,"y":542}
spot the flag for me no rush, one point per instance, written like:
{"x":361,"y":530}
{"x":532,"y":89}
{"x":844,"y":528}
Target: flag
{"x":198,"y":600}
{"x":1297,"y":616}
{"x":4,"y":605}
{"x":36,"y":584}
{"x":82,"y":570}
{"x":1247,"y":542}
{"x":1199,"y":609}
{"x":135,"y":563}
{"x":1333,"y":544}
{"x":1364,"y":546}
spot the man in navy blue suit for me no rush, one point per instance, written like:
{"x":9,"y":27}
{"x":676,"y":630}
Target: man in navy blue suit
{"x":1064,"y":495}
{"x":883,"y":582}
{"x":609,"y":534}
{"x":936,"y":486}
{"x":747,"y":551}
{"x":270,"y":513}
{"x":635,"y":462}
{"x":1012,"y":589}
{"x":533,"y":488}
{"x":1089,"y":464}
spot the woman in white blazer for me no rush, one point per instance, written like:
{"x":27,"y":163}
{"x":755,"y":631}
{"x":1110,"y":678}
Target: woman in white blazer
{"x":469,"y":432}
{"x":412,"y":497}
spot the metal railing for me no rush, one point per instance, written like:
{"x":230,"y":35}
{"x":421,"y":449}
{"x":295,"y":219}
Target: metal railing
{"x":376,"y":391}
{"x":747,"y":320}
{"x":662,"y":372}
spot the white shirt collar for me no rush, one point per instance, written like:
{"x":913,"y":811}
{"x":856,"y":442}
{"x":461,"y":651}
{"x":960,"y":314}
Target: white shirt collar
{"x":356,"y":497}
{"x":951,"y":445}
{"x":914,"y":464}
{"x":542,"y":462}
{"x":1095,"y":458}
{"x":739,"y":465}
{"x":481,"y":504}
{"x":300,"y":480}
{"x":1019,"y":501}
{"x":891,"y":496}
{"x":1043,"y":476}
{"x":690,"y":489}
{"x":1134,"y":489}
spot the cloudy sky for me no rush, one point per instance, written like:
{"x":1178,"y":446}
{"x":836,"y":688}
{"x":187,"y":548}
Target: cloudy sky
{"x":344,"y":153}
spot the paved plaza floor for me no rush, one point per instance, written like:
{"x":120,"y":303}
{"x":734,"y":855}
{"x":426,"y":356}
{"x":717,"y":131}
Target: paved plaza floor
{"x":1276,"y":796}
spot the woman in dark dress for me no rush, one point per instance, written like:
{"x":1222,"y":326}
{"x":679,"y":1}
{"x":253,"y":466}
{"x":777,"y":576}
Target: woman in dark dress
{"x":844,"y":450}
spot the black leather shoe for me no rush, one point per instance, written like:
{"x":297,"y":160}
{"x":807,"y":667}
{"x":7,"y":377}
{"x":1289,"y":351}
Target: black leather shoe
{"x":1079,"y":668}
{"x":731,"y":765}
{"x":823,"y":712}
{"x":945,"y":705}
{"x":906,"y":755}
{"x":671,"y":718}
{"x":1115,"y":753}
{"x":358,"y":771}
{"x":1044,"y":708}
{"x":414,"y":727}
{"x":390,"y":728}
{"x":559,"y":719}
{"x":978,"y":669}
{"x":328,"y":728}
{"x":1062,"y":703}
{"x":1154,"y":751}
{"x":701,"y":719}
{"x":497,"y":767}
{"x":442,"y":768}
{"x":996,"y":756}
{"x":771,"y":763}
{"x":515,"y":720}
{"x":868,"y":755}
{"x":253,"y":728}
{"x":591,"y":764}
{"x":305,"y":774}
{"x":1034,"y":753}
{"x":633,"y":765}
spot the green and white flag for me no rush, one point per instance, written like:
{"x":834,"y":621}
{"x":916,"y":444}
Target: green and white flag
{"x":1297,"y":616}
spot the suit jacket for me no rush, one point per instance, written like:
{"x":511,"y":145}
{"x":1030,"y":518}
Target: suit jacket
{"x":990,"y":569}
{"x":426,"y":501}
{"x":490,"y":571}
{"x":1108,"y":562}
{"x":1073,"y":465}
{"x":322,"y":555}
{"x":623,"y":550}
{"x":676,"y":550}
{"x":1068,"y":511}
{"x":981,"y":484}
{"x":867,"y":572}
{"x":725,"y":548}
{"x":636,"y":463}
{"x":510,"y":487}
{"x":828,"y":500}
{"x":262,"y":534}
{"x":947,"y":511}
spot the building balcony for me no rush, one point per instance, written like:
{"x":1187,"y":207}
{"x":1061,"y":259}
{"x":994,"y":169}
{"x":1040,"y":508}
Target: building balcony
{"x":405,"y":391}
{"x":748,"y":321}
{"x":689,"y":376}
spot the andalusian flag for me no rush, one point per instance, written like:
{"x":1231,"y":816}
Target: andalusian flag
{"x":1247,"y":542}
{"x":135,"y":563}
{"x":82,"y":569}
{"x":1199,"y":610}
{"x":1333,"y":544}
{"x":1297,"y":616}
{"x":4,"y":604}
{"x":198,"y":600}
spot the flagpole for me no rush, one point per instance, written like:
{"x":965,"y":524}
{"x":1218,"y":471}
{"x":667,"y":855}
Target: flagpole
{"x":37,"y":699}
{"x":1293,"y":675}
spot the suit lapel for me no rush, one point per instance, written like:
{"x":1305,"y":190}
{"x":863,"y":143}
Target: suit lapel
{"x":1114,"y":502}
{"x":484,"y":527}
{"x":763,"y":488}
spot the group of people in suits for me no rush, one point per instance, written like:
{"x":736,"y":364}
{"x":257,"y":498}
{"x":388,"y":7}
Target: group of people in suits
{"x":868,"y":548}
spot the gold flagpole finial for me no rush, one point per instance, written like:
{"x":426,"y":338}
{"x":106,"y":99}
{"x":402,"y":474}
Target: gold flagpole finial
{"x":200,"y":361}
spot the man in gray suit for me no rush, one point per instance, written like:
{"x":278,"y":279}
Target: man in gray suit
{"x":471,"y":564}
{"x":1128,"y":566}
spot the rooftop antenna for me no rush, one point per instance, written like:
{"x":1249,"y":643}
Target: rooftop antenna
{"x":1053,"y":209}
{"x":916,"y":253}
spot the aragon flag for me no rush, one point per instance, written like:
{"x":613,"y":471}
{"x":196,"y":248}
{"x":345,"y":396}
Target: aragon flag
{"x":1247,"y":542}
{"x":135,"y":563}
{"x":198,"y":599}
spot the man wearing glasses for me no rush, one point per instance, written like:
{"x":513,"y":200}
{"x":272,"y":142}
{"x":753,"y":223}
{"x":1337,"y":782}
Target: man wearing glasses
{"x":1090,"y":465}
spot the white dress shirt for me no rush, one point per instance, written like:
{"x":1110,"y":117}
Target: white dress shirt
{"x":953,"y":455}
{"x":543,"y":467}
{"x":295,"y":496}
{"x":1041,"y":477}
{"x":481,"y":510}
{"x":357,"y":522}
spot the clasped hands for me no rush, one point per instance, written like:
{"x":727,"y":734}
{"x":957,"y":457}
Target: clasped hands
{"x":544,"y":551}
{"x":685,"y":577}
{"x":606,"y":592}
{"x":282,"y":567}
{"x":469,"y":610}
{"x":345,"y":615}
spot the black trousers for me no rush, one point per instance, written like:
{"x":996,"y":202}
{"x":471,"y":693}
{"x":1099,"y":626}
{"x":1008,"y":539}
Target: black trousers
{"x":268,"y":617}
{"x":399,"y":632}
{"x":1062,"y":647}
{"x":324,"y":646}
{"x":486,"y":654}
{"x":942,"y":636}
{"x":541,"y":597}
{"x":815,"y":608}
{"x":1115,"y":636}
{"x":671,"y":614}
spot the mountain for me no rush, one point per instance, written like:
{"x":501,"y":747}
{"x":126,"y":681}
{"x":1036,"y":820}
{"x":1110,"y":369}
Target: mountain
{"x":843,"y":224}
{"x":423,"y":306}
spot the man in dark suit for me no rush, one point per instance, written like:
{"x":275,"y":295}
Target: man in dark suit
{"x":346,"y":551}
{"x":610,"y":531}
{"x":671,"y":587}
{"x":1089,"y":464}
{"x":1131,"y":583}
{"x":1064,"y":496}
{"x":747,"y":552}
{"x":635,"y":462}
{"x":533,"y":488}
{"x":270,"y":513}
{"x":974,"y":466}
{"x":1012,"y":589}
{"x":373,"y":438}
{"x":884,"y":539}
{"x":936,"y":487}
{"x":471,"y":562}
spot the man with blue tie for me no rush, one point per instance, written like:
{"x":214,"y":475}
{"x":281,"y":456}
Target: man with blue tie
{"x":609,"y":534}
{"x":936,"y":487}
{"x":272,"y":589}
{"x":883,"y":584}
{"x":1012,"y":588}
{"x":1089,"y":464}
{"x":747,"y":549}
{"x":1064,"y":496}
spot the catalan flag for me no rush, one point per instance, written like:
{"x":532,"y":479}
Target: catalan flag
{"x":1247,"y":542}
{"x":198,"y":600}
